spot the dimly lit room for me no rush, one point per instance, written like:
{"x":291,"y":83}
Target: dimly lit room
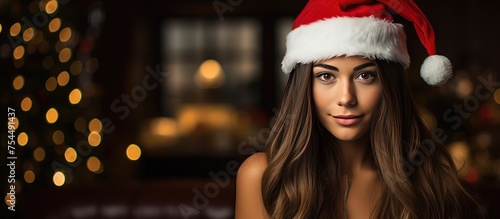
{"x":147,"y":109}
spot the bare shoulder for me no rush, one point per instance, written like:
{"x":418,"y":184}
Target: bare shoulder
{"x":249,"y":202}
{"x":253,"y":166}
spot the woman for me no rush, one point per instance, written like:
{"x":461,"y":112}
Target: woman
{"x":349,"y":141}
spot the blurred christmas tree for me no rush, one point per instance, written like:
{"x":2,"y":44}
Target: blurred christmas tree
{"x":47,"y":77}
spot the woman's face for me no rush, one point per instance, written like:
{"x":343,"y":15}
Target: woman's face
{"x":346,"y":92}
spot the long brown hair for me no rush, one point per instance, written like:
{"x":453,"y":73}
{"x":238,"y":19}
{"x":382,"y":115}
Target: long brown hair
{"x":305,"y":168}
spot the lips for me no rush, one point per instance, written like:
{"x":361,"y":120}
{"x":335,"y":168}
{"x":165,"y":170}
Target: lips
{"x":347,"y":120}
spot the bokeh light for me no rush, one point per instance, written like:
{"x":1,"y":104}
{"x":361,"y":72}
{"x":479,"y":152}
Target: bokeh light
{"x":7,"y":198}
{"x":496,"y":96}
{"x":22,"y":139}
{"x":15,"y":29}
{"x":133,"y":152}
{"x":39,"y":154}
{"x":76,"y":67}
{"x":26,"y":104}
{"x":18,"y":52}
{"x":459,"y":151}
{"x":63,"y":78}
{"x":28,"y":34}
{"x":75,"y":96}
{"x":94,"y":139}
{"x":94,"y":164}
{"x":29,"y":176}
{"x":464,"y":87}
{"x":59,"y":178}
{"x":54,"y":25}
{"x":95,"y":125}
{"x":58,"y":137}
{"x":209,"y":74}
{"x":51,"y":6}
{"x":15,"y":123}
{"x":51,"y":84}
{"x":64,"y":55}
{"x":52,"y":115}
{"x":18,"y":82}
{"x":70,"y":155}
{"x":65,"y":34}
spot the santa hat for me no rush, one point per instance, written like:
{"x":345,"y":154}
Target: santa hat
{"x":330,"y":28}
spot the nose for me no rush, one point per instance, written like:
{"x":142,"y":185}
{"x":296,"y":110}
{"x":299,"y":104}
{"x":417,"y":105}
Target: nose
{"x":347,"y":94}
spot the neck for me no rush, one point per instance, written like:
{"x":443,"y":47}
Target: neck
{"x":356,"y":154}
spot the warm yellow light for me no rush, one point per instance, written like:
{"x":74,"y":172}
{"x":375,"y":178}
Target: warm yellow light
{"x":64,"y":55}
{"x":209,"y":75}
{"x":15,"y":29}
{"x":28,"y":34}
{"x":29,"y":176}
{"x":210,"y":69}
{"x":58,"y":137}
{"x":76,"y":67}
{"x":80,"y":124}
{"x":9,"y":199}
{"x":22,"y":139}
{"x":464,"y":87}
{"x":94,"y":139}
{"x":70,"y":154}
{"x":75,"y":96}
{"x":18,"y":52}
{"x":18,"y":82}
{"x":460,"y":153}
{"x":496,"y":96}
{"x":164,"y":127}
{"x":51,"y":6}
{"x":65,"y":34}
{"x":0,"y":28}
{"x":95,"y":125}
{"x":93,"y":164}
{"x":54,"y":25}
{"x":63,"y":78}
{"x":15,"y":124}
{"x":39,"y":154}
{"x":26,"y":104}
{"x":51,"y":84}
{"x":133,"y":152}
{"x":52,"y":115}
{"x":59,"y":178}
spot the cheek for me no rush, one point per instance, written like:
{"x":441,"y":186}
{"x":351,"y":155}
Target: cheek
{"x":371,"y":97}
{"x":321,"y":98}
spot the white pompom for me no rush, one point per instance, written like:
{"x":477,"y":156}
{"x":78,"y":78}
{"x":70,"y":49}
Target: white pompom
{"x":436,"y":70}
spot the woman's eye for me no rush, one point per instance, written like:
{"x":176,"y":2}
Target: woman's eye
{"x":366,"y":76}
{"x":325,"y":77}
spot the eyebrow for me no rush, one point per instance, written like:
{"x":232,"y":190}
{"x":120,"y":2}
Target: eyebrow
{"x":333,"y":68}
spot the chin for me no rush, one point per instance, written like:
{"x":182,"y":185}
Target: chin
{"x":348,"y":135}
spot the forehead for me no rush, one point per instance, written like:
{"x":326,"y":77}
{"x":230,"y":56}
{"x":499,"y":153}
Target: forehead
{"x":345,"y":60}
{"x":346,"y":63}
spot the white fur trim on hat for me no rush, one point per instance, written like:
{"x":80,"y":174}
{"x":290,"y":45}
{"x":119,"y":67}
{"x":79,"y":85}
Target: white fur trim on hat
{"x":350,"y":36}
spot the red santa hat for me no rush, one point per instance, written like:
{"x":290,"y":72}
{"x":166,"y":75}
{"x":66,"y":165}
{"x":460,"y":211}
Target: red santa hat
{"x":330,"y":28}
